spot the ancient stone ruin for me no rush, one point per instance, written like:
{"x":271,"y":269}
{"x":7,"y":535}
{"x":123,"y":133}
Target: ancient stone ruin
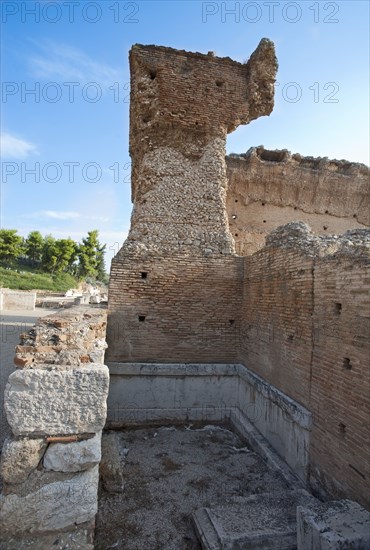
{"x":182,"y":108}
{"x":267,"y":189}
{"x":233,"y":301}
{"x":55,"y":403}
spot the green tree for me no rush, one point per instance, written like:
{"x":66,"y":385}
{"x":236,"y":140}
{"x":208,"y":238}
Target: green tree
{"x":66,"y":252}
{"x":11,"y":245}
{"x":34,"y":246}
{"x":59,"y":255}
{"x":49,"y":255}
{"x":91,"y":256}
{"x":101,"y":274}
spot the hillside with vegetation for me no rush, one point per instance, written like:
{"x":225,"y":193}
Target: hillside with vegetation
{"x":44,"y":263}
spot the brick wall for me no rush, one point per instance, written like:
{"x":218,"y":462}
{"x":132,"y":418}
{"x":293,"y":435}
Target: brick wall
{"x":276,"y":338}
{"x":296,"y":313}
{"x":177,"y":290}
{"x":340,"y":387}
{"x":267,"y":189}
{"x":190,"y":306}
{"x":195,"y":96}
{"x":305,"y":327}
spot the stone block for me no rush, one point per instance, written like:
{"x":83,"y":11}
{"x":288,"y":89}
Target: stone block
{"x":20,"y":458}
{"x":110,"y":466}
{"x":17,"y":299}
{"x":79,"y":537}
{"x":341,"y":524}
{"x":56,"y":505}
{"x":73,"y":457}
{"x":53,"y":401}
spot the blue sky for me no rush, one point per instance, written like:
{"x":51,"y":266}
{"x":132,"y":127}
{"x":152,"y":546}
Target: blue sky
{"x":66,"y":167}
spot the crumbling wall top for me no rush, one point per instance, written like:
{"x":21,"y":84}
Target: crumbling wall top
{"x":197,"y":92}
{"x":299,"y":235}
{"x":258,"y":155}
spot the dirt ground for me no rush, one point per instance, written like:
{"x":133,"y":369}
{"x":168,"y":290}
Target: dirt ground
{"x":169,"y":472}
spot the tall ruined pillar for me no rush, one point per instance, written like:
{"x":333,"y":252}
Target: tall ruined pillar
{"x":177,"y":273}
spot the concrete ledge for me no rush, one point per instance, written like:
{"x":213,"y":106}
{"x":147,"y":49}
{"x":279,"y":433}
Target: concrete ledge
{"x":142,"y":392}
{"x":261,"y":446}
{"x":291,"y":408}
{"x":120,"y":417}
{"x":282,"y":421}
{"x":174,"y":369}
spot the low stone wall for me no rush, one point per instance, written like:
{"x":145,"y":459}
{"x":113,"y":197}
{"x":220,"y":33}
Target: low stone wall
{"x":284,"y":423}
{"x":17,"y":300}
{"x":55,"y":404}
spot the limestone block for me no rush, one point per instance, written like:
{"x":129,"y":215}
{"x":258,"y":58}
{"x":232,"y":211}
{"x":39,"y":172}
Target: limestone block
{"x":54,"y":401}
{"x":73,"y":457}
{"x":20,"y":457}
{"x":96,"y":356}
{"x":340,"y":524}
{"x":79,"y":537}
{"x":54,"y":506}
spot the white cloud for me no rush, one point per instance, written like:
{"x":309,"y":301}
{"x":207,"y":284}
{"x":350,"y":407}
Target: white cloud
{"x":13,"y":147}
{"x":52,"y":214}
{"x":64,"y":215}
{"x":64,"y":63}
{"x":103,"y":219}
{"x":59,"y":215}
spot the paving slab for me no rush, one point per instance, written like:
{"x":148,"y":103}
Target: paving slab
{"x":259,"y":522}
